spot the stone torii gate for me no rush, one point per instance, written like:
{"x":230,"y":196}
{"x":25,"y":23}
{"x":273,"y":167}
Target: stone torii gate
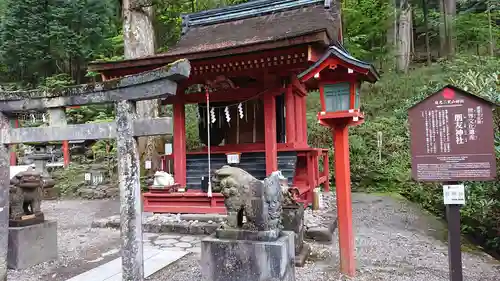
{"x":124,"y":92}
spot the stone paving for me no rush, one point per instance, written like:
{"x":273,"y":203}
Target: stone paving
{"x":173,"y":242}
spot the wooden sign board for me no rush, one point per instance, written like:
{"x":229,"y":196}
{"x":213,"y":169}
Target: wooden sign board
{"x":452,"y":137}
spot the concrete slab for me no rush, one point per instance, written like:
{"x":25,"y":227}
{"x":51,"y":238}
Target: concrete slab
{"x":154,"y":260}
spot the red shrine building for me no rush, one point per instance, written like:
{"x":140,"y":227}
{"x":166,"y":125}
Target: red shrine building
{"x":257,"y":61}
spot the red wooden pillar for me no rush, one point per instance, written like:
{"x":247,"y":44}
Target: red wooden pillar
{"x":270,"y":134}
{"x":13,"y":155}
{"x":179,"y":145}
{"x":298,"y":120}
{"x":66,"y":156}
{"x":326,"y":171}
{"x":344,"y":203}
{"x":290,"y":116}
{"x":304,"y":119}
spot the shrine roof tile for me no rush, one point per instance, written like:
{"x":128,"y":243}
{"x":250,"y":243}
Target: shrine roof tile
{"x":258,"y":29}
{"x":251,"y":24}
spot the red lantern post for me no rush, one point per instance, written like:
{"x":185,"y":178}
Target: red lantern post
{"x":337,"y":75}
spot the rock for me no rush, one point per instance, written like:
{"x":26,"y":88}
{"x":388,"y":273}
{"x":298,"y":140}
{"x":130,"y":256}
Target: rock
{"x":320,"y":234}
{"x":183,"y":245}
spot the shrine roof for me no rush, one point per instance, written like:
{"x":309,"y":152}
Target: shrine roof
{"x":252,"y":25}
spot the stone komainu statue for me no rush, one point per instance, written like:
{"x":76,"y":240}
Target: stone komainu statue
{"x":25,"y":194}
{"x":259,"y":201}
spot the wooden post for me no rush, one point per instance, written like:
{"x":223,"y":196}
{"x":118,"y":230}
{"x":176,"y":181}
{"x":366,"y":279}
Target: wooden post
{"x":344,"y":203}
{"x":179,"y":142}
{"x":303,"y":102}
{"x":270,"y":134}
{"x":130,"y":193}
{"x":13,"y":154}
{"x":290,"y":115}
{"x":298,"y":120}
{"x":57,"y":118}
{"x":4,"y":200}
{"x":454,"y":240}
{"x":326,"y":171}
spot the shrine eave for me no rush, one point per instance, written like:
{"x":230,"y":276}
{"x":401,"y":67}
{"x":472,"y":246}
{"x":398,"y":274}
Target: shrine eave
{"x":320,"y":37}
{"x":337,"y":52}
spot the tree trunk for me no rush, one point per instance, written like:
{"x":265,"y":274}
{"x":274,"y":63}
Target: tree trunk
{"x":426,"y":28}
{"x":139,"y":41}
{"x":404,"y":37}
{"x":448,"y":10}
{"x":490,"y":23}
{"x":392,"y":34}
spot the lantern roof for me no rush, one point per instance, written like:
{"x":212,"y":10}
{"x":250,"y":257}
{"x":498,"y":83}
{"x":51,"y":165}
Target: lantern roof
{"x":338,"y":52}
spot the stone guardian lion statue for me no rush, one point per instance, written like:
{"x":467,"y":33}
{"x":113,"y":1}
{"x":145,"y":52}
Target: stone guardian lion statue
{"x":245,"y":196}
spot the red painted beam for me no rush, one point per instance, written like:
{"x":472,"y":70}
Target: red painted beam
{"x":327,"y":63}
{"x":301,"y":88}
{"x":270,"y":134}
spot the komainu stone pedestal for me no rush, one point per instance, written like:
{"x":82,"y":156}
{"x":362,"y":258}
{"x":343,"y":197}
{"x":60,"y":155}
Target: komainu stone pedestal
{"x":32,"y":245}
{"x":293,"y":220}
{"x":247,"y":260}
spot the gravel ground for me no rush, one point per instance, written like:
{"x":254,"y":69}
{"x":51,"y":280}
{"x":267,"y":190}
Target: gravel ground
{"x":395,"y":241}
{"x":80,"y":247}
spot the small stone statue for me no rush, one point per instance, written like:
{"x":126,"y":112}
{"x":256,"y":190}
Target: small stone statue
{"x":290,"y":193}
{"x":245,"y":196}
{"x":25,"y":196}
{"x":162,"y":179}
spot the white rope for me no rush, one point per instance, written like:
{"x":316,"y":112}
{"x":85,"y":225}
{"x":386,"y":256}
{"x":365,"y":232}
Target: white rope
{"x":209,"y":194}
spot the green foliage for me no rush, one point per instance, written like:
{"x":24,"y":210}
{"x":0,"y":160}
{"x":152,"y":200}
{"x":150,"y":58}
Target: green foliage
{"x":39,"y":39}
{"x":368,"y":23}
{"x":473,"y":31}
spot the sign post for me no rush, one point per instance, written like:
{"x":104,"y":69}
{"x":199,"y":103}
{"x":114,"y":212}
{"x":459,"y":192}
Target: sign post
{"x":452,"y":140}
{"x":454,"y":198}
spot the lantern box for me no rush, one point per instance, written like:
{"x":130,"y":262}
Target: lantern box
{"x":233,"y":158}
{"x":340,"y":101}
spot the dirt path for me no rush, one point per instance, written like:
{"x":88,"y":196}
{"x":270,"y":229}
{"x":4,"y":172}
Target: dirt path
{"x":395,"y":241}
{"x":80,"y":247}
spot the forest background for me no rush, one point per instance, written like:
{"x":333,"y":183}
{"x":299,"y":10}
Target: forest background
{"x":418,"y":46}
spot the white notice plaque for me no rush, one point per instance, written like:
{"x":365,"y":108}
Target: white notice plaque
{"x":168,"y":149}
{"x":148,"y":165}
{"x":454,"y":194}
{"x":233,"y":158}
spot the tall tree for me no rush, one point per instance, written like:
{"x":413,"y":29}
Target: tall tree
{"x":426,"y":30}
{"x":448,"y":10}
{"x":139,"y":41}
{"x":405,"y":35}
{"x":24,"y":40}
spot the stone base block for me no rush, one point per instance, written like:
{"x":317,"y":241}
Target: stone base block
{"x":37,"y":218}
{"x":31,"y":245}
{"x":241,"y":234}
{"x":245,"y":260}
